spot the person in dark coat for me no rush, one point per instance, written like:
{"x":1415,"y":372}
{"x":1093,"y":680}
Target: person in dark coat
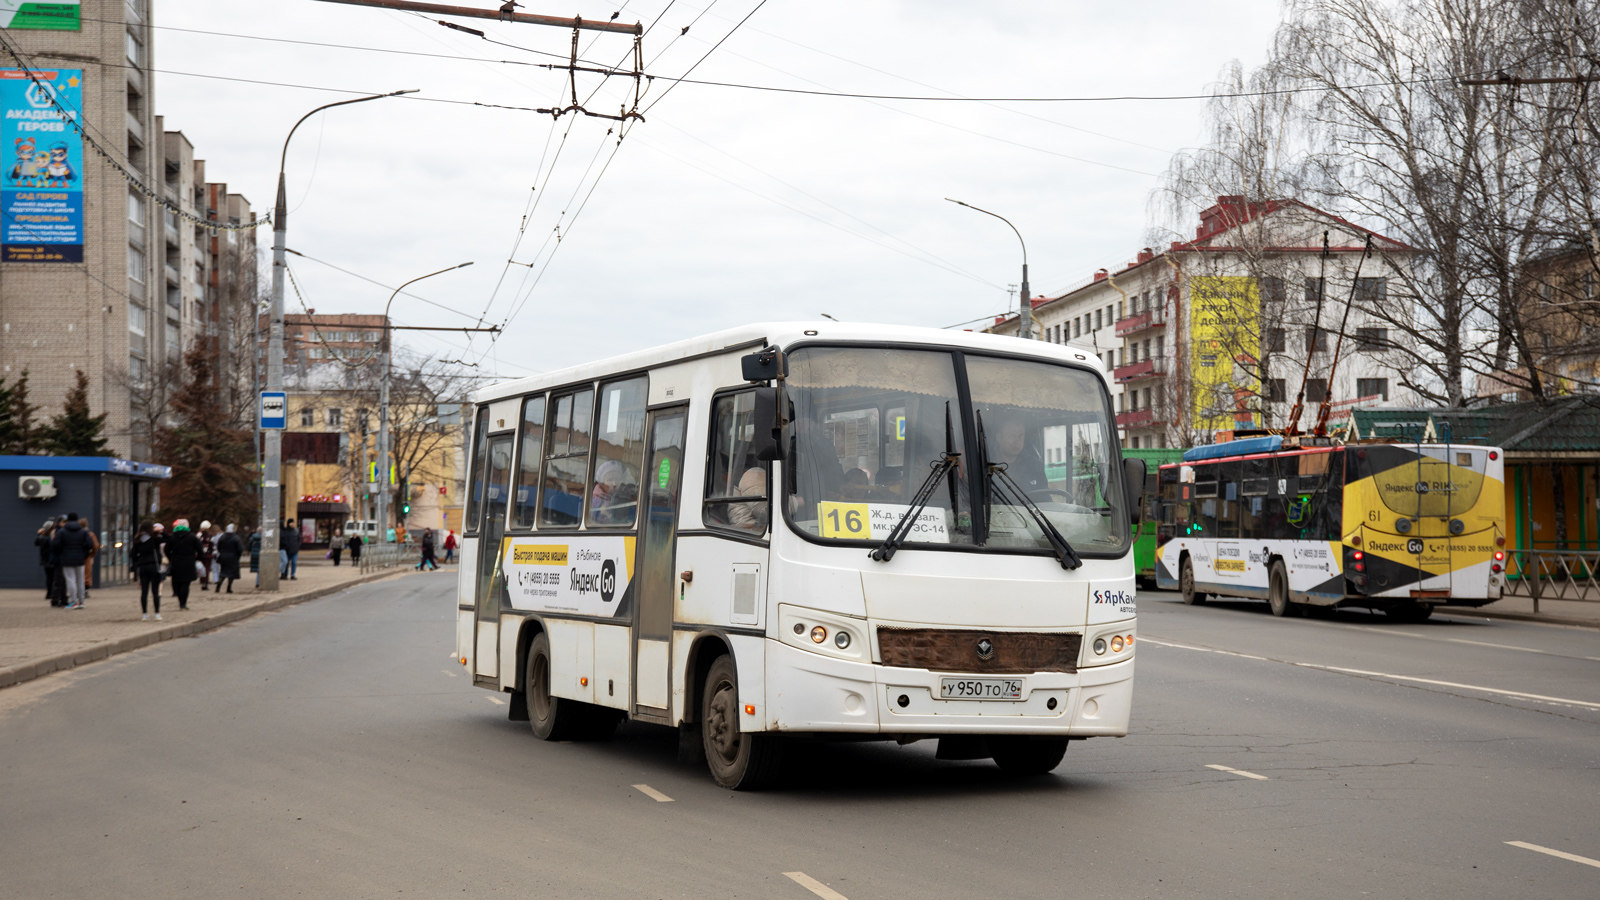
{"x":183,"y":553}
{"x":47,"y":559}
{"x":144,"y":559}
{"x":229,"y":551}
{"x":74,"y":545}
{"x":427,"y":551}
{"x":254,"y":543}
{"x":355,"y":549}
{"x":336,"y":546}
{"x":291,"y":548}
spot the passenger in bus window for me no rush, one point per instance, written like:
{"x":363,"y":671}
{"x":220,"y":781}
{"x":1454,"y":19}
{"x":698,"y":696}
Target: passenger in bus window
{"x":815,"y":462}
{"x":615,"y":495}
{"x":751,"y":517}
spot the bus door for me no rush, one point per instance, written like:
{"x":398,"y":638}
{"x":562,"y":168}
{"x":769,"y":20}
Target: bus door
{"x":491,"y":580}
{"x":658,"y":537}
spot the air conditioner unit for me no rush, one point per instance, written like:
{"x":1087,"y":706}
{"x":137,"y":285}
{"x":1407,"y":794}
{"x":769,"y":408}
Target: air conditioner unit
{"x":36,"y":487}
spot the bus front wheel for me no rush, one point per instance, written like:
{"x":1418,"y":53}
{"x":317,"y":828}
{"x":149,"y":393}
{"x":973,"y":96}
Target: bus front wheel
{"x":1020,"y":755}
{"x":1191,"y":596}
{"x":738,"y":760}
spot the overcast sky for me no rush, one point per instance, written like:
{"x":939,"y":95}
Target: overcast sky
{"x":724,"y":206}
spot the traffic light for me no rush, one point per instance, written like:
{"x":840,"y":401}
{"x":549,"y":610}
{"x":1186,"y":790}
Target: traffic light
{"x":405,"y":499}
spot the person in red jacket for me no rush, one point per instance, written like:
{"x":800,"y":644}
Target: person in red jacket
{"x":450,"y":546}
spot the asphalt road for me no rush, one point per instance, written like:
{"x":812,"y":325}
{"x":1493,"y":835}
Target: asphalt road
{"x":333,"y":749}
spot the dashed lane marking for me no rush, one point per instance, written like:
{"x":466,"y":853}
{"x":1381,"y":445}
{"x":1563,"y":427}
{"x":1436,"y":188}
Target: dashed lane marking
{"x":1556,"y":853}
{"x":815,"y":886}
{"x":448,"y":672}
{"x":1386,"y":675}
{"x":1239,"y":772}
{"x":496,"y":701}
{"x":652,"y":793}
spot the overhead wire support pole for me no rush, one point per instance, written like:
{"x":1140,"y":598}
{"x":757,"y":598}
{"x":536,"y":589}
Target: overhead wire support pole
{"x":272,"y":464}
{"x":1321,"y":428}
{"x":504,"y":14}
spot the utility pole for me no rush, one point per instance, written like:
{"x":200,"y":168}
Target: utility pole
{"x":1025,"y":325}
{"x":383,"y":399}
{"x":272,"y":474}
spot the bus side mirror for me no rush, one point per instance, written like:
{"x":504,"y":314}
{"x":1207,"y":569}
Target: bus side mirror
{"x":768,"y":441}
{"x":763,"y":365}
{"x":1133,"y":471}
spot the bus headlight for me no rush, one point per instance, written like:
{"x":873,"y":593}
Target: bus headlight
{"x":842,"y":640}
{"x":829,"y":634}
{"x":1099,"y":646}
{"x":819,"y":634}
{"x":1108,"y":644}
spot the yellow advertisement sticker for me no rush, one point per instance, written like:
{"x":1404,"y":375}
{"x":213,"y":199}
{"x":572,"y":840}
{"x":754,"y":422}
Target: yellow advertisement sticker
{"x":1230,"y":565}
{"x":845,"y":520}
{"x":539,"y":554}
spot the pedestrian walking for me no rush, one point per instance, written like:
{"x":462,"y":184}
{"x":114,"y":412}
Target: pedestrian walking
{"x":47,"y":561}
{"x":183,"y":557}
{"x":427,"y":552}
{"x":336,"y":546}
{"x":229,"y":550}
{"x":208,"y":552}
{"x":450,"y":546}
{"x":74,"y":546}
{"x":255,"y":553}
{"x":144,"y":560}
{"x":354,"y":544}
{"x":290,"y":550}
{"x":59,"y":585}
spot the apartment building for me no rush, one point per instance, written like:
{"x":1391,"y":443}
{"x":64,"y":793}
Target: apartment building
{"x":98,"y":271}
{"x":315,"y":343}
{"x":1214,"y":334}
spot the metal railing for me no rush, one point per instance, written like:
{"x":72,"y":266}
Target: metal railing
{"x":1553,"y":575}
{"x":387,"y":556}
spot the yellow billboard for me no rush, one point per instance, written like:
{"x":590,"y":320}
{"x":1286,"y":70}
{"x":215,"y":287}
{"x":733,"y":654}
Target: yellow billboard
{"x":1224,"y":346}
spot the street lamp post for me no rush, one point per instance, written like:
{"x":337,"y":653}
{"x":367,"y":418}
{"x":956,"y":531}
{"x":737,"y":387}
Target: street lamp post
{"x":383,"y":407}
{"x":272,"y":466}
{"x":1025,"y":326}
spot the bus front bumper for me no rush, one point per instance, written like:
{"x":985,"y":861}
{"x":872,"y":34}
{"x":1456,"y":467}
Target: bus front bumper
{"x":810,"y":692}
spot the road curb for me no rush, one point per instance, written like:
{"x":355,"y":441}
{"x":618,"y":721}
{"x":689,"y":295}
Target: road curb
{"x":1545,"y":618}
{"x":14,"y":675}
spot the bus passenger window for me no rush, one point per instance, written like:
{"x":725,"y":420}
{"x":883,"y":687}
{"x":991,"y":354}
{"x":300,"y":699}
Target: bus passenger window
{"x":526,"y":495}
{"x":618,"y":454}
{"x":736,"y":492}
{"x":480,"y":451}
{"x":566,"y":464}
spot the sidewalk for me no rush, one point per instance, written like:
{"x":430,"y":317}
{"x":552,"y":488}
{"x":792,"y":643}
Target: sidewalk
{"x":1582,"y":613}
{"x":37,"y":639}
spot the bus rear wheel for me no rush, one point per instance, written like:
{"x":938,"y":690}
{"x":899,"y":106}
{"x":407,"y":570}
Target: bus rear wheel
{"x":1021,"y":755}
{"x":1191,"y":597}
{"x":552,"y":718}
{"x":742,"y":761}
{"x":1278,"y":590}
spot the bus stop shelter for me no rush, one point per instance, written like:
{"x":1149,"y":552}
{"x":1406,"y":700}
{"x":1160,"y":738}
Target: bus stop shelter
{"x":110,"y":494}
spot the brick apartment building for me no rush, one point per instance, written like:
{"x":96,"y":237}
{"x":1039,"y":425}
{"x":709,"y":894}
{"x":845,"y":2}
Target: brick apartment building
{"x":129,"y":284}
{"x":1212,"y":334}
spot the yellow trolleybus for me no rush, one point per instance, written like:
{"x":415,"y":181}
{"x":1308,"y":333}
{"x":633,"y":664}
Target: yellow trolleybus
{"x":1395,"y":527}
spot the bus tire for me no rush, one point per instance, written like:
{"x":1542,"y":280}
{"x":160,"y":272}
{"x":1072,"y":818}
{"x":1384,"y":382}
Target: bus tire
{"x":552,"y":718}
{"x":1278,"y":590}
{"x":1022,"y":755}
{"x":1191,"y":597}
{"x":741,"y":761}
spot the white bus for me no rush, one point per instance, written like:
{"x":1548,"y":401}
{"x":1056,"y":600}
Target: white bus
{"x":790,"y":530}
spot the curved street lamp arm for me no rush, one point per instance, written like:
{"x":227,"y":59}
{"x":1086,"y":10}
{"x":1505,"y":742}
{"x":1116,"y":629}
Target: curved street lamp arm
{"x":284,"y":156}
{"x":1001,"y":218}
{"x":406,"y":285}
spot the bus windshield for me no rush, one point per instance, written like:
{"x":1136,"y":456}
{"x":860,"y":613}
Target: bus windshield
{"x":870,"y":425}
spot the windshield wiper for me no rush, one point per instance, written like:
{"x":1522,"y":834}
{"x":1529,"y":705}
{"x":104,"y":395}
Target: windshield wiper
{"x":997,"y":479}
{"x":945,"y":465}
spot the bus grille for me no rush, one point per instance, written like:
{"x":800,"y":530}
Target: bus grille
{"x":1011,"y":652}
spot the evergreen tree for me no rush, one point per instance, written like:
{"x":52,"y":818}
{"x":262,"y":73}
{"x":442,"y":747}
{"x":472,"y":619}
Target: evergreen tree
{"x":212,"y":461}
{"x":74,"y":432}
{"x":18,"y":436}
